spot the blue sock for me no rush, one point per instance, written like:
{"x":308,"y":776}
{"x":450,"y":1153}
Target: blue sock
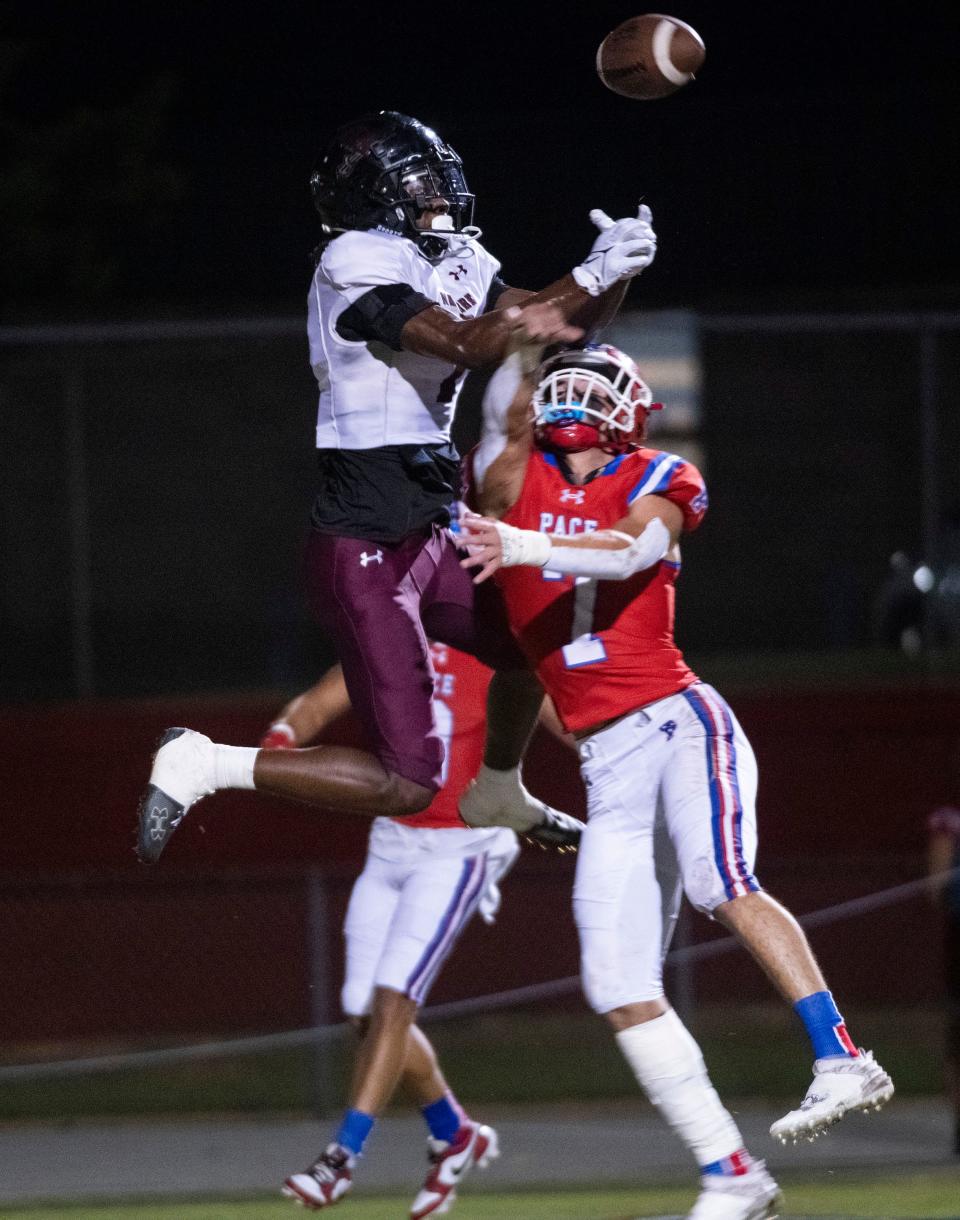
{"x":442,"y":1119}
{"x":824,"y":1025}
{"x":354,"y":1129}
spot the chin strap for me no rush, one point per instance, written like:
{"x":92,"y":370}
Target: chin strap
{"x":438,"y":241}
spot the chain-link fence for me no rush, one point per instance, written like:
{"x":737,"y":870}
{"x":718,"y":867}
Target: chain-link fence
{"x":155,"y":481}
{"x":176,"y":980}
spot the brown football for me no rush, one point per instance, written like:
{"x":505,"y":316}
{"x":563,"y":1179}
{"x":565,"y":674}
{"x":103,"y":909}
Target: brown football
{"x":650,"y":56}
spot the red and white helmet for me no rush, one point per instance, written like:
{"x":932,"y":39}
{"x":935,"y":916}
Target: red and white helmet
{"x":591,"y":397}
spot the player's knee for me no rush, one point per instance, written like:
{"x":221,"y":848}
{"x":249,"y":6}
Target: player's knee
{"x":598,"y":988}
{"x":400,"y":796}
{"x":639,"y":1012}
{"x":602,"y":979}
{"x":704,"y":886}
{"x":708,"y":891}
{"x":413,"y":775}
{"x":355,"y":1001}
{"x":393,"y":1008}
{"x":622,"y":1001}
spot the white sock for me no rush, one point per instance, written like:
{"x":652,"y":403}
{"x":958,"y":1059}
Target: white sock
{"x":669,"y":1067}
{"x":501,"y":781}
{"x":233,"y":766}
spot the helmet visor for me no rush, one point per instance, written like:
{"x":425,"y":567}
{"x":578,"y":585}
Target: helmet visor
{"x":426,"y":182}
{"x":437,"y":181}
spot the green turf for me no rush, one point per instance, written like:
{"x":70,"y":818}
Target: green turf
{"x":933,"y":1194}
{"x":505,"y":1057}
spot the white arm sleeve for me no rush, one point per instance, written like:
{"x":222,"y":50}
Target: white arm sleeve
{"x":497,"y":399}
{"x":643,"y":552}
{"x":538,"y":551}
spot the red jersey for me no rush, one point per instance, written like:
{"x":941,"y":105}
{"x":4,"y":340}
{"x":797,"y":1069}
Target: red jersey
{"x":601,"y":648}
{"x":460,"y":708}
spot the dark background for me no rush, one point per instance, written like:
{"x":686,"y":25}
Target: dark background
{"x":154,"y":488}
{"x":159,"y":154}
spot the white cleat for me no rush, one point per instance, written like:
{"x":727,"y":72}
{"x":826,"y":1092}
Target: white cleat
{"x":450,"y":1163}
{"x":181,"y":775}
{"x":840,"y":1083}
{"x":753,"y":1195}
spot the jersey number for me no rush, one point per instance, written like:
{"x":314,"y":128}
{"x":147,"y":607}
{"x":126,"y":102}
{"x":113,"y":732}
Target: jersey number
{"x":584,"y":648}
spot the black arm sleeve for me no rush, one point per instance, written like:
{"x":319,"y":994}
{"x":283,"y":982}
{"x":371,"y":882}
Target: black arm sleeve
{"x":381,"y":314}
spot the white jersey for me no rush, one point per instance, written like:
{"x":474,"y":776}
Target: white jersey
{"x":371,"y":395}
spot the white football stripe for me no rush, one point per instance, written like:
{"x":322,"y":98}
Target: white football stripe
{"x":662,"y":37}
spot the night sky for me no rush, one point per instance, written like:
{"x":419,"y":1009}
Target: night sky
{"x":811,"y":163}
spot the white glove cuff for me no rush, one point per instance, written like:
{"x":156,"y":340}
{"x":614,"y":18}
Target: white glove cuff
{"x":587,"y":280}
{"x":522,"y":546}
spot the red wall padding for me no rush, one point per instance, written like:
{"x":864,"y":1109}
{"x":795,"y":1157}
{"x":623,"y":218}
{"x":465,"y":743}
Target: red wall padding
{"x":215,"y":938}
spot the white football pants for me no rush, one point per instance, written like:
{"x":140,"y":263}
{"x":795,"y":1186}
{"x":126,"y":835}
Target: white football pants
{"x":683,"y":762}
{"x":418,"y":890}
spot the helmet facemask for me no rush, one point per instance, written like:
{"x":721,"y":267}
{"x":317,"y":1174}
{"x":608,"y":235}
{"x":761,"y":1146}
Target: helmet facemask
{"x":591,"y":398}
{"x":422,"y":184}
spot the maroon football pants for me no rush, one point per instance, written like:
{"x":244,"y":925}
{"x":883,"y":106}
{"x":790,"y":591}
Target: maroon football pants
{"x":380,"y":603}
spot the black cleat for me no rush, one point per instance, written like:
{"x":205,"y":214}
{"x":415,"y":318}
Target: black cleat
{"x":178,"y":779}
{"x":558,"y":830}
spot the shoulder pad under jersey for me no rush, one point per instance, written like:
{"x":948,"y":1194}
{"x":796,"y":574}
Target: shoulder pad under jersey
{"x":367,"y":258}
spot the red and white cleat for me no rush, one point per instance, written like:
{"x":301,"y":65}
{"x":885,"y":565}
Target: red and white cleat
{"x":474,"y":1144}
{"x":327,"y":1180}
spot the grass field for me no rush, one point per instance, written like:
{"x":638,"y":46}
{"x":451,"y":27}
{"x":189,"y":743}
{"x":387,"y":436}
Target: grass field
{"x":495,"y":1058}
{"x":933,"y":1195}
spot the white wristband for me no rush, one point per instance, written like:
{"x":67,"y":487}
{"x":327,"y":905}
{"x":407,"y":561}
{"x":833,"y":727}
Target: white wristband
{"x":522,"y":546}
{"x":588,"y":280}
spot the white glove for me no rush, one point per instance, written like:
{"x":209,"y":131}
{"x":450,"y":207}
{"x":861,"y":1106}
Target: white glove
{"x":624,"y":249}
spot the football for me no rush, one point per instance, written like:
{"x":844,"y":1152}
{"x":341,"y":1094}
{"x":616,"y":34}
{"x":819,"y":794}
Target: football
{"x":649,"y":56}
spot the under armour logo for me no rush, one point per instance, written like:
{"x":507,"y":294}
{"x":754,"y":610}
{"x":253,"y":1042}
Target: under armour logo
{"x":461,"y":270}
{"x":568,"y":495}
{"x":157,"y":822}
{"x":376,"y":557}
{"x":669,"y":727}
{"x":349,"y":163}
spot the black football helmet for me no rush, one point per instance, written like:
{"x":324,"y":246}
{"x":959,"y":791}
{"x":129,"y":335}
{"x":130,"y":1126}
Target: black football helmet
{"x":382,"y":170}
